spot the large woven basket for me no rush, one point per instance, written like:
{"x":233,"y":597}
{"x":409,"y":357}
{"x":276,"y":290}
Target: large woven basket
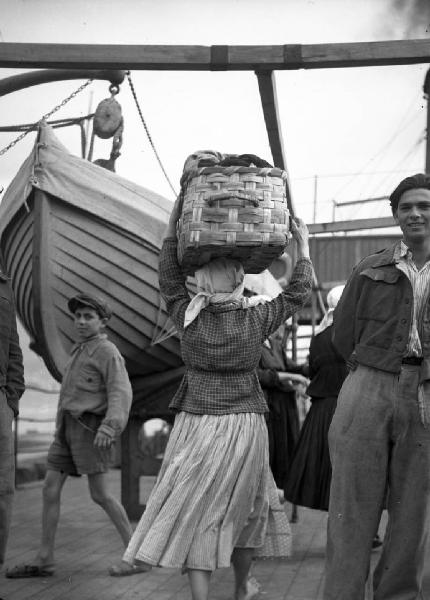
{"x":235,"y":212}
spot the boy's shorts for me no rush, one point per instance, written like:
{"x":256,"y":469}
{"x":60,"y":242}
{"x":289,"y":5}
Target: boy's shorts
{"x":73,"y":451}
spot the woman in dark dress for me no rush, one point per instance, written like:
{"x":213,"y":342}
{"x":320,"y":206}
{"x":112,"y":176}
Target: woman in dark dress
{"x":275,"y":374}
{"x":309,"y":473}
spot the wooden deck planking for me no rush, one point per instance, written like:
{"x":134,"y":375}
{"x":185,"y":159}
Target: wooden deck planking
{"x":87,"y":544}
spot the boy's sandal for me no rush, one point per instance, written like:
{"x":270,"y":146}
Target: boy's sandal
{"x":24,"y":571}
{"x":124,"y":569}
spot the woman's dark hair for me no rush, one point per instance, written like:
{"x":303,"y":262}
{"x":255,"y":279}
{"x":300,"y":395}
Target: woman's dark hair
{"x":414,"y":182}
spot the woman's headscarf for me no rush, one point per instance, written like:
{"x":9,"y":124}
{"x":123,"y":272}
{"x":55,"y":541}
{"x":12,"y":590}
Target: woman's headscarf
{"x":220,"y":281}
{"x":333,"y":298}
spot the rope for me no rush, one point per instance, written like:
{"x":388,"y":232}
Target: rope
{"x":45,"y":117}
{"x":162,"y":333}
{"x":139,"y":110}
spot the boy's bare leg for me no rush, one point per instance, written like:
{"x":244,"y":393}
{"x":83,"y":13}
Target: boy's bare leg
{"x":199,"y":583}
{"x":100,"y":494}
{"x":52,"y":487}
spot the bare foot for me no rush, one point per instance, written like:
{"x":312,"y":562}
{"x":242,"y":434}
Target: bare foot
{"x":44,"y":560}
{"x":124,"y":569}
{"x":252,"y":589}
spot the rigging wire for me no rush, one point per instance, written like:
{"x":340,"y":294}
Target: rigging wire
{"x":45,"y":117}
{"x":56,"y":123}
{"x":409,"y":154}
{"x":401,"y":127}
{"x":383,"y":149}
{"x":393,"y":139}
{"x":139,"y":110}
{"x":335,"y":175}
{"x":167,"y":330}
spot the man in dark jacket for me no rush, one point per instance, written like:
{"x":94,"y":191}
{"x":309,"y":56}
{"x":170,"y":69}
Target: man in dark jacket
{"x":380,"y":434}
{"x":11,"y":389}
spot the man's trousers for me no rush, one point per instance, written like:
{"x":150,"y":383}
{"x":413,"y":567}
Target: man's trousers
{"x":380,"y":453}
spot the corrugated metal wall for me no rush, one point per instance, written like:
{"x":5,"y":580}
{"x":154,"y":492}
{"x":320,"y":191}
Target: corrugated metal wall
{"x":334,"y":257}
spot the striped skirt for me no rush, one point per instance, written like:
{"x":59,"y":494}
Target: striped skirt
{"x":214,"y":493}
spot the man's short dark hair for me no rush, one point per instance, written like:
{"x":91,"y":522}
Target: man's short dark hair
{"x":414,"y":182}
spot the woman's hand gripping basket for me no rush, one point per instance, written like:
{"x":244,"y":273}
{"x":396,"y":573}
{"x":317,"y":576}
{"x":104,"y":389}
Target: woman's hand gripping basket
{"x":232,"y":211}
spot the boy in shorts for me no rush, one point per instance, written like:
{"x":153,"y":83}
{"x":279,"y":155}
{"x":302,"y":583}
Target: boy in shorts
{"x":93,"y":409}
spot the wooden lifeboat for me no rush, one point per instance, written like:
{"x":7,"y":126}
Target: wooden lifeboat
{"x":67,"y":226}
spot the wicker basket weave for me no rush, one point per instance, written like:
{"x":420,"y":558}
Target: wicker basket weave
{"x":235,"y":212}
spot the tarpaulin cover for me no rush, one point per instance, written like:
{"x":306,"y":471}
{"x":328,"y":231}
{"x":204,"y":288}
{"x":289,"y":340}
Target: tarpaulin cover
{"x":78,"y":182}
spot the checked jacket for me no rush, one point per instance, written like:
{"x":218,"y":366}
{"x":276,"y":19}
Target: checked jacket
{"x":221,"y":348}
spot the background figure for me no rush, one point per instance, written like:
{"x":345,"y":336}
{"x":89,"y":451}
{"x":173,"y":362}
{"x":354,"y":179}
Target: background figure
{"x":12,"y":370}
{"x":309,"y":475}
{"x":275,"y":373}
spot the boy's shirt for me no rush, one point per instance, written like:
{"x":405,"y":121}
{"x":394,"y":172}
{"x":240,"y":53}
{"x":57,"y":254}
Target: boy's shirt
{"x":96,"y":381}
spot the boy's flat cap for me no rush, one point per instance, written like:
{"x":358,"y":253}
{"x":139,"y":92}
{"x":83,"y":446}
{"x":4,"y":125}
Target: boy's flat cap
{"x":102,"y":308}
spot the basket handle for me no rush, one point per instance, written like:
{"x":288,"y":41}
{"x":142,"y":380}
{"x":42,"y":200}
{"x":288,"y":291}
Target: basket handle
{"x":251,"y":197}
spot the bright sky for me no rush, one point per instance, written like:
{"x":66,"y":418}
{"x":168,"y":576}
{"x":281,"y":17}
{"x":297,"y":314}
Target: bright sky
{"x":359,"y":130}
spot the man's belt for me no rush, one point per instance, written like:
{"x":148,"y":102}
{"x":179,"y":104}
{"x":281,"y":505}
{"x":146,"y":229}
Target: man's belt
{"x":412,"y":360}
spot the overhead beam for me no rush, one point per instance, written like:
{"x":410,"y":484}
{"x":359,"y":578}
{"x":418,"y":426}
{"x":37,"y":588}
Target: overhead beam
{"x":204,"y":58}
{"x":269,"y":104}
{"x":355,"y":225}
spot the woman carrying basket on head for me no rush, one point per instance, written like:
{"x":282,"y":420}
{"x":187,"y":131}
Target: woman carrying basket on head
{"x":215,"y":501}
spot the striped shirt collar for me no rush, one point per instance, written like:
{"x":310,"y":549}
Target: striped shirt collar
{"x":419,"y":279}
{"x":402,"y":254}
{"x":401,"y":251}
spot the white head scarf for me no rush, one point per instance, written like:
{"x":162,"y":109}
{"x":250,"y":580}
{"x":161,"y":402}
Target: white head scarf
{"x":219,"y":281}
{"x":262,"y":284}
{"x":333,"y":298}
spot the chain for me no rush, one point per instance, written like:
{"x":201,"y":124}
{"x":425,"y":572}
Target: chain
{"x":45,"y":117}
{"x":139,"y":110}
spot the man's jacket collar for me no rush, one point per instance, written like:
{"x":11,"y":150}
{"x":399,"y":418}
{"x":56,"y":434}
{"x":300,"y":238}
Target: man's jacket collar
{"x":386,"y":257}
